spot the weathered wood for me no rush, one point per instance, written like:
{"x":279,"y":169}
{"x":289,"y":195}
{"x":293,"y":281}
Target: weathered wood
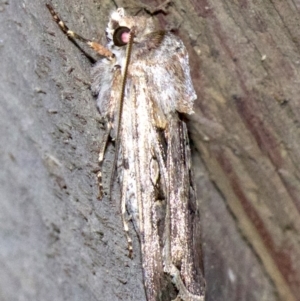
{"x":58,"y":242}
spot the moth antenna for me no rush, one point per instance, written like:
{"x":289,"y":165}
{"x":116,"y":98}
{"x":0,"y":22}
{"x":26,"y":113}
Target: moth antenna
{"x":73,"y":35}
{"x":120,"y":109}
{"x":119,"y":119}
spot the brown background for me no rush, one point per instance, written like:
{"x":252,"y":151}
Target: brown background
{"x":57,"y":242}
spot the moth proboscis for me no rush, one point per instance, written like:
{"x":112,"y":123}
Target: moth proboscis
{"x":144,"y":85}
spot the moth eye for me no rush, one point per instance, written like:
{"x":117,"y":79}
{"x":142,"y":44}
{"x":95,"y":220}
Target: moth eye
{"x":121,"y":36}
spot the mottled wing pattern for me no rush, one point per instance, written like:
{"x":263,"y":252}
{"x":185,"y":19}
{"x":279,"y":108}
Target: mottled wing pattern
{"x":158,"y":188}
{"x":182,"y":255}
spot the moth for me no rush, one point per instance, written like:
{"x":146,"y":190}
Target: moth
{"x":143,"y":87}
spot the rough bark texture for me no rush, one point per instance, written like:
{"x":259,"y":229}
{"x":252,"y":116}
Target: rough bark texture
{"x":58,"y":242}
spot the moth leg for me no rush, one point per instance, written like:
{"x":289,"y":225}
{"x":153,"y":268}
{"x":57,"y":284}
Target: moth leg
{"x":152,"y":10}
{"x":101,"y":158}
{"x":71,"y":34}
{"x":160,"y":8}
{"x":123,"y":213}
{"x":183,"y":293}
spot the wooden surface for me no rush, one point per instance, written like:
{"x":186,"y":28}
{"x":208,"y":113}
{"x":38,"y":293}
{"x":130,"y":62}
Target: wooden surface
{"x":58,"y":242}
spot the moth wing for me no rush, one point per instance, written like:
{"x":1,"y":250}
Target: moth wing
{"x":184,"y":250}
{"x":168,"y":75}
{"x":106,"y":84}
{"x":163,"y":87}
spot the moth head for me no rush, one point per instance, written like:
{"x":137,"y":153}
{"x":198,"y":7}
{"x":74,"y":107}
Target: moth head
{"x":120,"y":26}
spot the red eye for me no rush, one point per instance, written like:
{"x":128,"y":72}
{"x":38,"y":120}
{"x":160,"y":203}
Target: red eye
{"x":121,"y":36}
